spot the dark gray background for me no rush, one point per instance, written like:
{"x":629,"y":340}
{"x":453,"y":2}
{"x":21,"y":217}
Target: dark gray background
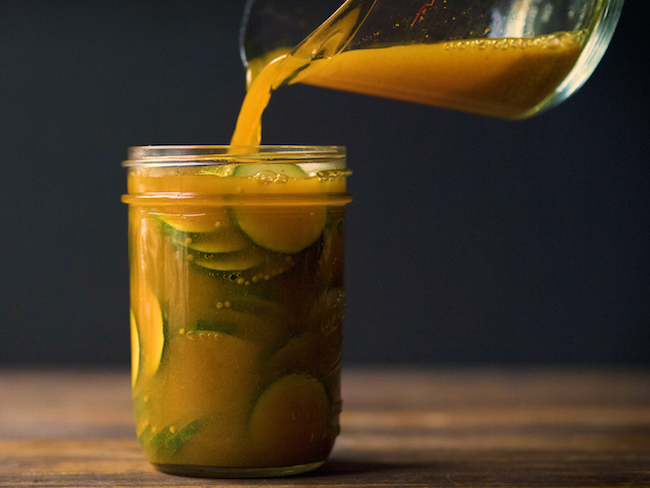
{"x":470,"y":239}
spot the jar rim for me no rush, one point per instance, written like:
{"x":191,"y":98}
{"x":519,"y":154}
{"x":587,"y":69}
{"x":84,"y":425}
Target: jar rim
{"x":209,"y":155}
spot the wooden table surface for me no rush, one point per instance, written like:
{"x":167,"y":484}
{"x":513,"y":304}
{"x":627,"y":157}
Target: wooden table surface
{"x":400,"y":427}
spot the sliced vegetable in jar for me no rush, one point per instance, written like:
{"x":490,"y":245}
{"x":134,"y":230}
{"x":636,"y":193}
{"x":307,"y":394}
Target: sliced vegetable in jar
{"x":285,"y":229}
{"x":289,"y":422}
{"x":169,"y":439}
{"x":235,"y":261}
{"x":254,"y":320}
{"x":209,"y":230}
{"x":282,"y":228}
{"x":228,"y":240}
{"x":245,"y":267}
{"x":148,"y":324}
{"x":135,"y":350}
{"x":270,"y":173}
{"x":196,"y":219}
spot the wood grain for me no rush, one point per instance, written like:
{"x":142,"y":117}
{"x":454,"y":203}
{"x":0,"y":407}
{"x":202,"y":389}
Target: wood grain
{"x":400,"y":427}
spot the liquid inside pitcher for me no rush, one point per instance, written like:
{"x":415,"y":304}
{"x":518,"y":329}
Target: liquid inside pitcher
{"x":502,"y":58}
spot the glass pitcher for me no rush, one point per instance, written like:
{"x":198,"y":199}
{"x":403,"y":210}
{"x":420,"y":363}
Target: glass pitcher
{"x":503,"y":58}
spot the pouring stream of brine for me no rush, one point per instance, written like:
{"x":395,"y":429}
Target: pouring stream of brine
{"x":291,"y":65}
{"x":507,"y":77}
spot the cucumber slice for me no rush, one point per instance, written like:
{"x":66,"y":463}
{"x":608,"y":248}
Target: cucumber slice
{"x":310,"y":352}
{"x":255,"y":320}
{"x":170,"y":439}
{"x":148,"y":320}
{"x":244,"y":267}
{"x":135,"y":350}
{"x":204,"y":231}
{"x":282,"y":229}
{"x":213,"y":242}
{"x":289,"y":422}
{"x":237,"y":324}
{"x":199,"y":220}
{"x":228,"y":262}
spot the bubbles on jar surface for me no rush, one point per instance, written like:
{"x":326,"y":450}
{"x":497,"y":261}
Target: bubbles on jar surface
{"x":550,"y":41}
{"x":203,"y":335}
{"x":332,"y":309}
{"x":333,"y":174}
{"x":267,"y":177}
{"x":264,"y":272}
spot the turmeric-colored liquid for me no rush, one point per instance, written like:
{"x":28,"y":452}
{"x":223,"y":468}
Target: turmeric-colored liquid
{"x":509,"y":78}
{"x":236,"y":306}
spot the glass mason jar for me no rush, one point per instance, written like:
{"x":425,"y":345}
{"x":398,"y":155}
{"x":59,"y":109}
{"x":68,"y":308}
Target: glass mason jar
{"x":237,"y":299}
